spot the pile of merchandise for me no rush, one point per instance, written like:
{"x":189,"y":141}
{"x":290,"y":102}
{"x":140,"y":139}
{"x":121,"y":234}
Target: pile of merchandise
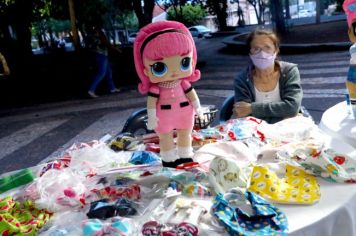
{"x":243,"y":170}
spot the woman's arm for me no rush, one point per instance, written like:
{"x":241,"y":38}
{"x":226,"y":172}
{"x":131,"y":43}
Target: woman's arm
{"x":242,"y":88}
{"x":243,"y":96}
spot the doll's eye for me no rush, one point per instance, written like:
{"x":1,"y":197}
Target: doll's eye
{"x":185,"y":64}
{"x":159,"y":69}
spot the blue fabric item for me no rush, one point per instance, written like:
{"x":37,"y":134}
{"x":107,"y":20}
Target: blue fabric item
{"x":102,"y":209}
{"x":266,"y":220}
{"x":143,"y":157}
{"x":117,"y":226}
{"x":351,"y":76}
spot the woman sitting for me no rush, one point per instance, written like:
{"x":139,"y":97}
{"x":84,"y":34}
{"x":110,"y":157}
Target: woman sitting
{"x":267,"y":89}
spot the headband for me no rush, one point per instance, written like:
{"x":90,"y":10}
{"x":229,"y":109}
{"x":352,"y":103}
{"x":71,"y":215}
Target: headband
{"x":154,"y":35}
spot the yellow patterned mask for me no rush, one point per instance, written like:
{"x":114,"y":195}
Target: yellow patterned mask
{"x":297,"y":187}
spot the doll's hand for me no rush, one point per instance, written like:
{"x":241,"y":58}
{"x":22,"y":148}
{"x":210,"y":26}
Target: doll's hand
{"x":353,"y":54}
{"x":152,"y":119}
{"x":198,"y":109}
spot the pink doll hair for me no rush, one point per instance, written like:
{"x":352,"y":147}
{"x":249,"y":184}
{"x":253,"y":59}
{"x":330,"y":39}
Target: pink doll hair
{"x":162,"y":39}
{"x":349,"y":7}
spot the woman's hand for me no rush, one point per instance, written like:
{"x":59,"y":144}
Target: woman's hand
{"x":242,"y":109}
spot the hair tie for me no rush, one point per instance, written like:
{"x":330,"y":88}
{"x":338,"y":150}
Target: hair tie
{"x":154,"y":35}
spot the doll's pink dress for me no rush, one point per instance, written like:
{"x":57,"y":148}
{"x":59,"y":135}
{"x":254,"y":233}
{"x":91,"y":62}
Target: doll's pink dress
{"x":174,"y":110}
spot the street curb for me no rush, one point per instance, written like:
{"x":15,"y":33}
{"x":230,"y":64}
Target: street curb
{"x":240,"y":47}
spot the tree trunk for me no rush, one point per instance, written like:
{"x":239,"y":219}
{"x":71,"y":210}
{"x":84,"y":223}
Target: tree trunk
{"x":221,"y":13}
{"x":73,"y":24}
{"x":22,"y":24}
{"x":262,"y":7}
{"x":144,"y":14}
{"x":258,"y":16}
{"x":286,"y":3}
{"x":277,"y":16}
{"x":318,"y":11}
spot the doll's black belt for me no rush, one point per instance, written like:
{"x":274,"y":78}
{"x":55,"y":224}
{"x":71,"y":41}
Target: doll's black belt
{"x":168,"y":107}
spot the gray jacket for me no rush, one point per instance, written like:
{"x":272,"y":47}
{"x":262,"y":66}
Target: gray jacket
{"x":290,"y":91}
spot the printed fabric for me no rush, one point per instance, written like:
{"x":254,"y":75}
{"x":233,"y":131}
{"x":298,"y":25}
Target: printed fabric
{"x":323,"y":162}
{"x":21,"y":218}
{"x":265,"y":220}
{"x":227,"y":173}
{"x":297,"y":187}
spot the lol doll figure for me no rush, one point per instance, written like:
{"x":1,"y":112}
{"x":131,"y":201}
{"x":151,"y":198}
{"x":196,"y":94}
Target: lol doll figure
{"x":165,"y":59}
{"x":349,"y":7}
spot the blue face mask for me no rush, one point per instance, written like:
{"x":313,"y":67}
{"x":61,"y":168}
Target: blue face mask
{"x":263,"y":60}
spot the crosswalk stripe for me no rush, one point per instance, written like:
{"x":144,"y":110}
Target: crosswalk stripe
{"x":111,"y":123}
{"x":304,"y":81}
{"x":324,"y":64}
{"x":307,"y":93}
{"x":303,"y":73}
{"x":26,"y":135}
{"x":325,"y":80}
{"x":84,"y":106}
{"x":324,"y":93}
{"x":324,"y":70}
{"x":304,"y":69}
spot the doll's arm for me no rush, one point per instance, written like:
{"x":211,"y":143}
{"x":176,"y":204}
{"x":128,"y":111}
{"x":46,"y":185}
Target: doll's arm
{"x":353,"y":54}
{"x":194,"y":99}
{"x":151,"y":112}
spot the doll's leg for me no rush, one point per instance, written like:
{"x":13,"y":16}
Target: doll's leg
{"x":184,"y":145}
{"x":168,"y":152}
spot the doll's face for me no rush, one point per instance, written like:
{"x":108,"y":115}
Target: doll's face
{"x":169,"y":68}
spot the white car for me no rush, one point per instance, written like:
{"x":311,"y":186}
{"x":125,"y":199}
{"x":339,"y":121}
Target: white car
{"x":132,"y":37}
{"x":306,"y":13}
{"x":200,"y":31}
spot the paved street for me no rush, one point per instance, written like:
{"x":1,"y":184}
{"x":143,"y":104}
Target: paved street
{"x":31,"y":135}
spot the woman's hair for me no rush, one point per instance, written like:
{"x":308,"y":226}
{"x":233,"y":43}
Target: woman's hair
{"x":268,"y":33}
{"x":159,"y":40}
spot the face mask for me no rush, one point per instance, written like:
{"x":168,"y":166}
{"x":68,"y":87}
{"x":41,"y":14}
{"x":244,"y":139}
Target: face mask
{"x":263,"y":60}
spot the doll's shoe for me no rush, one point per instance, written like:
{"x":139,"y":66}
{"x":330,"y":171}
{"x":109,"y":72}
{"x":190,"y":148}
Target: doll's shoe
{"x":169,"y":164}
{"x":183,"y":160}
{"x":176,"y":163}
{"x":92,"y":94}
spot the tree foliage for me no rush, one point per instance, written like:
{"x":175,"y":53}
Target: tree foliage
{"x":190,"y":14}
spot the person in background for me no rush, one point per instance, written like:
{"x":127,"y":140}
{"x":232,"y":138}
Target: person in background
{"x":100,"y":46}
{"x":5,"y":70}
{"x":268,"y":89}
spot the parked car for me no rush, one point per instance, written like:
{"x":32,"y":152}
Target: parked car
{"x":132,"y":37}
{"x":200,"y":31}
{"x":306,"y":13}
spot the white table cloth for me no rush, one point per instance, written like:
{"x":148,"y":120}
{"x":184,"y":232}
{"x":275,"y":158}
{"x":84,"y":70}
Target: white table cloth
{"x":334,"y":214}
{"x":339,"y":123}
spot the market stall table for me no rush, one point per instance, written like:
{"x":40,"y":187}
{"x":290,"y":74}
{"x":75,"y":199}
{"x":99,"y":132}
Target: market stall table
{"x":339,"y":123}
{"x":334,"y":214}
